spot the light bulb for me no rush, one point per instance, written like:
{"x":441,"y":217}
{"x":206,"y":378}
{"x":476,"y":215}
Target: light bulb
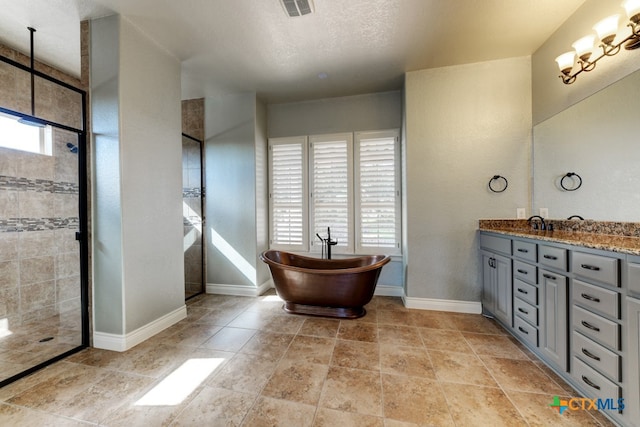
{"x":565,"y":62}
{"x":632,"y":7}
{"x":584,"y":47}
{"x":607,"y":29}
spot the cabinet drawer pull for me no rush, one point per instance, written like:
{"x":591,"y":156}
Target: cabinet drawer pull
{"x":589,"y":354}
{"x":548,"y":276}
{"x":521,"y":329}
{"x":523,"y":271}
{"x":590,"y":267}
{"x":521,"y":310}
{"x":590,"y":298}
{"x":523,"y":250}
{"x":522,"y":291}
{"x":552,"y":257}
{"x":589,"y":383}
{"x":590,"y":326}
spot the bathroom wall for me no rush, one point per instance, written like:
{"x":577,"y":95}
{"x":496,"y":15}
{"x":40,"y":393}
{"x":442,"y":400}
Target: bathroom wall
{"x":138,"y":249}
{"x":235,"y":200}
{"x":550,"y":95}
{"x":464,"y":124}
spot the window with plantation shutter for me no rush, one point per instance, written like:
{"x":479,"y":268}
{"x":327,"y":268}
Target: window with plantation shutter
{"x":377,"y":192}
{"x":331,"y":187}
{"x":349,"y":182}
{"x":288,"y":193}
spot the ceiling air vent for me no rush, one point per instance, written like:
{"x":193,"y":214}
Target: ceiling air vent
{"x":297,"y":7}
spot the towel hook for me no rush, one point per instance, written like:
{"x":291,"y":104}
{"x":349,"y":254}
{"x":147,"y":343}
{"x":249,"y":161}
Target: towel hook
{"x":497,"y":178}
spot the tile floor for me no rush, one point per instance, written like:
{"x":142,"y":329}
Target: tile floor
{"x":243,"y":361}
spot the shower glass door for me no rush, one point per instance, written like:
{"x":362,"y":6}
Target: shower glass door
{"x":192,"y":216}
{"x":41,"y":297}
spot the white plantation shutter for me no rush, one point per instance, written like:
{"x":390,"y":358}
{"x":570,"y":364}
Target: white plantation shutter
{"x":288,"y":192}
{"x":377,"y":192}
{"x":331,"y":186}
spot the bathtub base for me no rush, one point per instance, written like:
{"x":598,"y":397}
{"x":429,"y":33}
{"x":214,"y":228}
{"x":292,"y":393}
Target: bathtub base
{"x":314,"y":310}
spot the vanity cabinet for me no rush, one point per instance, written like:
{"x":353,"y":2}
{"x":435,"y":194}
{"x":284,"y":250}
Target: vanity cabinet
{"x":554,"y":319}
{"x":497,"y":297}
{"x":577,"y":309}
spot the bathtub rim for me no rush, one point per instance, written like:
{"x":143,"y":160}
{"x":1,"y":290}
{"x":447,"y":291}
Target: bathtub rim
{"x":379,"y":264}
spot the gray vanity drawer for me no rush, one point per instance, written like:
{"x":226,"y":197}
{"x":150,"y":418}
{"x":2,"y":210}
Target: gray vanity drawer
{"x":495,"y":244}
{"x":596,"y":356}
{"x":633,"y":277}
{"x":525,"y":250}
{"x":525,"y":291}
{"x":526,"y":311}
{"x":600,"y":268}
{"x":599,"y":299}
{"x":524,"y":271}
{"x":553,"y":257}
{"x":596,"y":327}
{"x":526,"y":331}
{"x":595,"y":383}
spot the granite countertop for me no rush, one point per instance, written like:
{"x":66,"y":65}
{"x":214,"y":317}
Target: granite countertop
{"x":627,"y":244}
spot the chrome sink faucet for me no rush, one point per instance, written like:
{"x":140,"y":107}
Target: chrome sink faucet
{"x":543,"y":226}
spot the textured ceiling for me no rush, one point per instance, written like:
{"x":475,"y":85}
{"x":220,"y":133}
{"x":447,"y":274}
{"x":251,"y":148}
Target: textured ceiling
{"x":362,"y":46}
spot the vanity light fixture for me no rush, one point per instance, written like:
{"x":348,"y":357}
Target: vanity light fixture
{"x":606,"y":30}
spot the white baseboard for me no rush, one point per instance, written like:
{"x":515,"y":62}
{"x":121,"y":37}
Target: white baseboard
{"x":389,"y":291}
{"x":117,"y":342}
{"x":239,"y":290}
{"x":471,"y":307}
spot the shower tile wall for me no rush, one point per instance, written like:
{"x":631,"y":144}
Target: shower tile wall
{"x":39,"y":257}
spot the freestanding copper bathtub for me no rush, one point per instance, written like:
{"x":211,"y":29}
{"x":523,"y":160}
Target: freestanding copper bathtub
{"x":324,"y":287}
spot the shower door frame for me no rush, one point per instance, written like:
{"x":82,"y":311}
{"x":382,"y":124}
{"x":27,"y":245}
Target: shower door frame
{"x":203,"y":216}
{"x":82,"y":236}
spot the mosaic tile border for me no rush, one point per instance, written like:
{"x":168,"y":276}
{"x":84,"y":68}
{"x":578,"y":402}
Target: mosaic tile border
{"x":19,"y":225}
{"x":12,"y":183}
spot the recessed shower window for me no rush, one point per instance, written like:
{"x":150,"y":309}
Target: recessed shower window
{"x":24,"y":137}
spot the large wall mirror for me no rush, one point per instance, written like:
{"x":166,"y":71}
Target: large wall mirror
{"x":599,"y":139}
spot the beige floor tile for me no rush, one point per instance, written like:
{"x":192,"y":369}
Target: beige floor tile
{"x":536,"y":410}
{"x":469,"y":404}
{"x":304,"y":349}
{"x":229,"y":339}
{"x":105,"y":396}
{"x":460,"y":368}
{"x":444,"y":339}
{"x":399,"y":335}
{"x":401,"y":360}
{"x":415,"y":400}
{"x":16,"y":416}
{"x":520,"y":375}
{"x":279,"y":413}
{"x":332,"y":418}
{"x":477,"y":323}
{"x":356,"y":354}
{"x":52,"y":393}
{"x":298,"y":382}
{"x":389,"y":303}
{"x":352,"y":390}
{"x":194,"y":335}
{"x":370,"y":316}
{"x":216,"y":406}
{"x":569,"y":391}
{"x":320,"y":327}
{"x":265,"y":321}
{"x":494,"y":345}
{"x":153,"y":359}
{"x":219,"y":317}
{"x":130,"y":415}
{"x":35,"y":379}
{"x":270,"y":345}
{"x":432,"y":319}
{"x":246,"y":373}
{"x":394,"y":317}
{"x":358,"y":331}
